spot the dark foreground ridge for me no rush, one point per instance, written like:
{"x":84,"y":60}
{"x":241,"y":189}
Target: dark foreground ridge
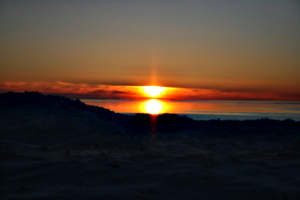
{"x":45,"y":112}
{"x":55,"y":148}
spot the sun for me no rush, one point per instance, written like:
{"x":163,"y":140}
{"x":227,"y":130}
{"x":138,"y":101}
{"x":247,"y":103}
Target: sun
{"x":153,"y":91}
{"x":153,"y":106}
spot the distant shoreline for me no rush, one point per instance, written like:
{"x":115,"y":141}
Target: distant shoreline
{"x":210,"y":110}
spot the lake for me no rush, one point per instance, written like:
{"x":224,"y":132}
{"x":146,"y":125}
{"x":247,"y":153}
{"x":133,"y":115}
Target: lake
{"x":206,"y":110}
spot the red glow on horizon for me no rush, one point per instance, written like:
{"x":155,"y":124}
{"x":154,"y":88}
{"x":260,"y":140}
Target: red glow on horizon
{"x":153,"y":91}
{"x":92,"y":91}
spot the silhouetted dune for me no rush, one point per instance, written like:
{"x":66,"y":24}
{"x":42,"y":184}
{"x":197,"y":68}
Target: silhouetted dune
{"x":37,"y":118}
{"x":172,"y":123}
{"x":46,"y":119}
{"x":53,"y":147}
{"x":37,"y":109}
{"x":38,"y":99}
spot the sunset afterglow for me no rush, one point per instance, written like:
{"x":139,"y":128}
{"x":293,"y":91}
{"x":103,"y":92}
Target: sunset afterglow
{"x":203,"y":50}
{"x":153,"y":91}
{"x":93,"y":91}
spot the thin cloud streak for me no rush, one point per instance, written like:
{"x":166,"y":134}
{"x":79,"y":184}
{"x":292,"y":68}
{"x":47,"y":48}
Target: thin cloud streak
{"x":94,"y":91}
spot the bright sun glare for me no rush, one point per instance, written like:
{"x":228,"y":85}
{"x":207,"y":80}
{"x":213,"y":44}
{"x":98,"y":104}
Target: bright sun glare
{"x":153,"y":91}
{"x":153,"y":106}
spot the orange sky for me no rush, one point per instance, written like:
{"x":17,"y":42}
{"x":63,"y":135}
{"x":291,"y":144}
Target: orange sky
{"x":89,"y":91}
{"x":106,"y":49}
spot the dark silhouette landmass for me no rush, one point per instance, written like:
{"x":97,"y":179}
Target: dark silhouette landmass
{"x":138,"y":123}
{"x":52,"y":147}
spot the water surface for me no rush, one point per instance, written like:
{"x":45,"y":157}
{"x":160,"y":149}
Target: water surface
{"x":206,"y":110}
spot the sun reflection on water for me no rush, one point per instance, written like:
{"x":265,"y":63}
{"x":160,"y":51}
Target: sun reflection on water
{"x":153,"y":106}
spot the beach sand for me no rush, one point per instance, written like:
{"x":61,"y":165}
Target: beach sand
{"x":51,"y":153}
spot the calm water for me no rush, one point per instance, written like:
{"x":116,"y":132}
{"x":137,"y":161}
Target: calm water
{"x":206,"y":110}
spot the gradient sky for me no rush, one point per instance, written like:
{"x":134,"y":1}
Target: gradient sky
{"x":222,"y":46}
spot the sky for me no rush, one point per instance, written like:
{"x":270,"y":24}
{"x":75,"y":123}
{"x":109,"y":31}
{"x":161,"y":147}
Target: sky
{"x":106,"y":49}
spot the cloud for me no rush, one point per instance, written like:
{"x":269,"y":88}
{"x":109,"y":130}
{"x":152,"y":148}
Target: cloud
{"x":74,"y":90}
{"x":94,"y":91}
